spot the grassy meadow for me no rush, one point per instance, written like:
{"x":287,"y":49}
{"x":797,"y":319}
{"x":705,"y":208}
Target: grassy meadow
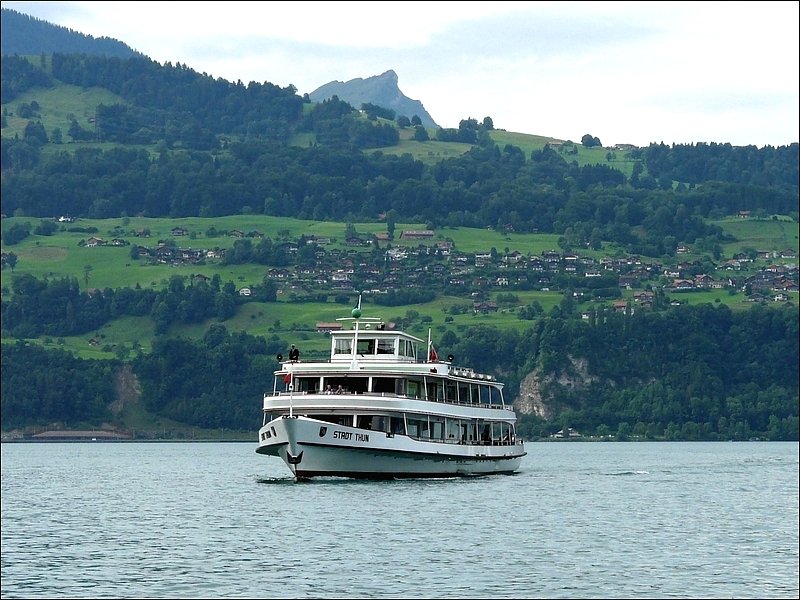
{"x":775,"y":233}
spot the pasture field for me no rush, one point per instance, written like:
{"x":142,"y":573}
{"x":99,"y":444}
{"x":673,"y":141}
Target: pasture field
{"x":776,"y":233}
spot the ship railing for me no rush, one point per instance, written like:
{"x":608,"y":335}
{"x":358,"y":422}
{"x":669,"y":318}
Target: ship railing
{"x":394,"y":395}
{"x":461,"y":442}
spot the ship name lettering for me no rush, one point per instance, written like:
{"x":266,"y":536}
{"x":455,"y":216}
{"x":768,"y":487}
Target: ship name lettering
{"x":362,"y":437}
{"x":342,"y":435}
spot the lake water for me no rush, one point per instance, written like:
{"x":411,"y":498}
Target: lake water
{"x":579,"y":520}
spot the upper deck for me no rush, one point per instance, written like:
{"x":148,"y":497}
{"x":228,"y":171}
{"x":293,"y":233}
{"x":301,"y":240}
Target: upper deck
{"x":369,"y":340}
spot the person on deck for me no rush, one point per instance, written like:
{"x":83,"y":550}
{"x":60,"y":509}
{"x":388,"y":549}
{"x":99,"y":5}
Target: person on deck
{"x":294,"y":354}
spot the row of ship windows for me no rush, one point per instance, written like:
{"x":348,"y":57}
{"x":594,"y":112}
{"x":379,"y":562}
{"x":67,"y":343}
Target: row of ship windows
{"x":435,"y":389}
{"x":427,"y":427}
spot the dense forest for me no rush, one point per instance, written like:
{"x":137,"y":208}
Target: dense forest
{"x":184,"y":144}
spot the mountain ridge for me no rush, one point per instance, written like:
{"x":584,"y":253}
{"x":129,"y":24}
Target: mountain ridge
{"x":381,"y":90}
{"x":26,"y":35}
{"x":23,"y":34}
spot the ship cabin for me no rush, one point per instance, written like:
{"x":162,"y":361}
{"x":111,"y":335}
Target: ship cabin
{"x":372,"y":342}
{"x":392,"y":364}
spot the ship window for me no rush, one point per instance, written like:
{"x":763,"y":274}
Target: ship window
{"x":474,"y":391}
{"x":413,"y":389}
{"x":372,"y":422}
{"x":485,"y":394}
{"x":366,"y":347}
{"x":453,"y":430}
{"x":385,"y":346}
{"x":398,"y":425}
{"x":383,"y":385}
{"x":335,"y":419}
{"x":343,"y":346}
{"x":497,"y":397}
{"x":450,"y":392}
{"x":463,"y":392}
{"x":408,"y":348}
{"x":437,"y":428}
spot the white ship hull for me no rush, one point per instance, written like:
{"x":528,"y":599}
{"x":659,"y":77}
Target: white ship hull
{"x":312,"y":448}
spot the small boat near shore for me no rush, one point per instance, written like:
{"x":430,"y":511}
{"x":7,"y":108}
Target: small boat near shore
{"x":385,"y":406}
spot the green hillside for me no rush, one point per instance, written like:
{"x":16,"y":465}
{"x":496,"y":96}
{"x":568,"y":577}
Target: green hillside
{"x":62,"y":255}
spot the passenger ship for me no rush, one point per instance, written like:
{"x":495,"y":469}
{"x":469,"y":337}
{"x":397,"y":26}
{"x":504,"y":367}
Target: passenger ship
{"x":384,"y":406}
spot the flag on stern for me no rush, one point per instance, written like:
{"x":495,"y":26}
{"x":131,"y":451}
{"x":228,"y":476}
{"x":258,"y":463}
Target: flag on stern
{"x":432,"y":356}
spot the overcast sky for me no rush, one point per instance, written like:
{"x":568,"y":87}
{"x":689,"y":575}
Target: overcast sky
{"x":625,"y":72}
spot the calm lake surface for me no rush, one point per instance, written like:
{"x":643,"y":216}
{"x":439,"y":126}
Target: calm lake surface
{"x":579,"y":520}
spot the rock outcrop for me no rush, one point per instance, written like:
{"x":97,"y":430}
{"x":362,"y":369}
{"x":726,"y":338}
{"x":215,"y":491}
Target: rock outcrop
{"x":537,"y":391}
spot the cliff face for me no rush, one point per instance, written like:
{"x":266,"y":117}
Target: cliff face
{"x":380,"y":90}
{"x":537,"y":391}
{"x":127,"y":388}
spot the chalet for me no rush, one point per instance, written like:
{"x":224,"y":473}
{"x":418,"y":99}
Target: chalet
{"x":164,"y":253}
{"x":484,"y":307}
{"x":551,"y":256}
{"x":93,"y":242}
{"x":397,"y":253}
{"x":178,"y":231}
{"x":190,"y":254}
{"x":444,"y":247}
{"x":279,"y":273}
{"x":245,"y":291}
{"x":621,"y":306}
{"x":681,"y":285}
{"x":732,"y":265}
{"x":702,"y":281}
{"x":513,"y":257}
